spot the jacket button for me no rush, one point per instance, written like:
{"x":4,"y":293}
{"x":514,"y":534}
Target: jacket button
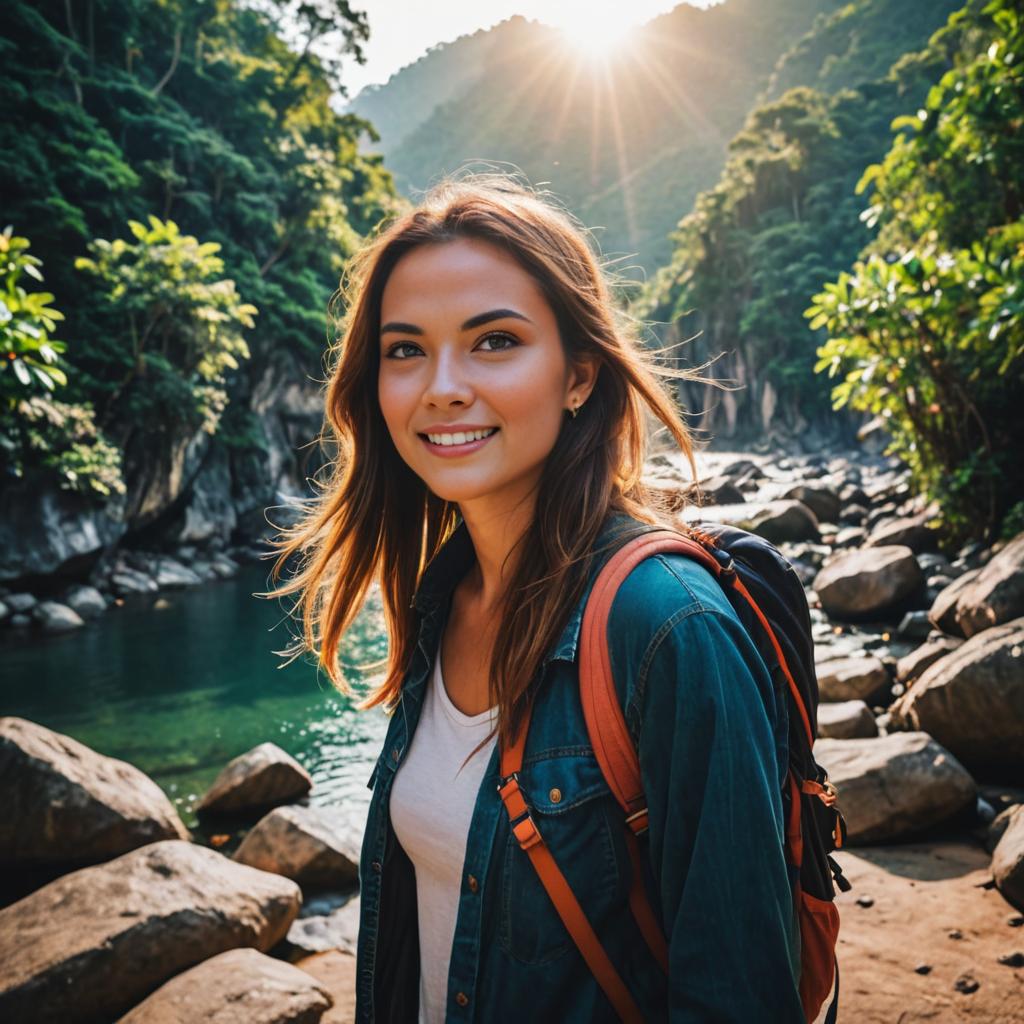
{"x":472,"y":883}
{"x":394,"y":753}
{"x":555,"y":796}
{"x":461,"y":998}
{"x":376,"y":866}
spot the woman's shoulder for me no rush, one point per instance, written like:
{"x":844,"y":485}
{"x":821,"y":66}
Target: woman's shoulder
{"x":667,"y":586}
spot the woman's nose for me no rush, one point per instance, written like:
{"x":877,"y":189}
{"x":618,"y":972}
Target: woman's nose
{"x":447,"y":380}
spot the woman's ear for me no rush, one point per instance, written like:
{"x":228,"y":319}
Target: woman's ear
{"x":582,"y":377}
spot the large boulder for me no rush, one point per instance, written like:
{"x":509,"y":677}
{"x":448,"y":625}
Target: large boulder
{"x":324,"y":924}
{"x":868,"y":583}
{"x":846,"y":720}
{"x":256,"y":780}
{"x":911,"y":666}
{"x":844,"y":679}
{"x":241,"y":986}
{"x":87,"y":601}
{"x":776,"y":521}
{"x":822,"y":500}
{"x":172,"y":575}
{"x":64,"y":803}
{"x":1008,"y":859}
{"x":972,"y":701}
{"x":90,"y":945}
{"x":54,"y":617}
{"x":996,"y":594}
{"x":943,"y":610}
{"x":911,"y":531}
{"x":895,"y":785}
{"x":304,"y":844}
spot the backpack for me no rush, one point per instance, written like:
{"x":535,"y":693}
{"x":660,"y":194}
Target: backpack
{"x":770,"y":602}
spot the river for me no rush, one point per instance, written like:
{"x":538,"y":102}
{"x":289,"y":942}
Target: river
{"x":180,"y":683}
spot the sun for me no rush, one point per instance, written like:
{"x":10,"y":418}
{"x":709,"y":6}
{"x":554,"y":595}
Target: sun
{"x":596,"y":33}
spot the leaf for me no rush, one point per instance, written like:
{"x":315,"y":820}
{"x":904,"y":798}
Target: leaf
{"x":21,"y":372}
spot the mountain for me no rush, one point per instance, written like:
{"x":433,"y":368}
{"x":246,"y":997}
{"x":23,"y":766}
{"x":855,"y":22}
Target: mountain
{"x":627,"y":143}
{"x":784,"y":217}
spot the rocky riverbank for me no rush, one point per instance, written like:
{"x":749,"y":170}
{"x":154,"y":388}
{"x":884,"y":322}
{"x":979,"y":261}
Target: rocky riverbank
{"x":921,"y":671}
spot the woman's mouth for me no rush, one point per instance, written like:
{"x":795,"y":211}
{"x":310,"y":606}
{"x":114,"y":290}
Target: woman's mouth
{"x":449,"y":446}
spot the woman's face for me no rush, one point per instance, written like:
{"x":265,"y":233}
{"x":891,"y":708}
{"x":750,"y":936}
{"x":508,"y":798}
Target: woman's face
{"x":469,"y":342}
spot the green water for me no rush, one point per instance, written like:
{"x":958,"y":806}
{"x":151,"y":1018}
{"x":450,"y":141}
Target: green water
{"x":180,"y":690}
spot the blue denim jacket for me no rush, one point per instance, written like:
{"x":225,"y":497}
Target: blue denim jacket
{"x":711,"y":737}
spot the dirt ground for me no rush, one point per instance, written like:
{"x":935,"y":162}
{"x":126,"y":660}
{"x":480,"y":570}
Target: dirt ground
{"x":930,"y":908}
{"x":922,"y":896}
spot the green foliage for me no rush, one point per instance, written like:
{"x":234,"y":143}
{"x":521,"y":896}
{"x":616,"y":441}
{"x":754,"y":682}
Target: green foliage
{"x":26,"y":322}
{"x":182,"y":322}
{"x":213,"y":115}
{"x":61,"y":439}
{"x":928,"y":329}
{"x":38,"y":433}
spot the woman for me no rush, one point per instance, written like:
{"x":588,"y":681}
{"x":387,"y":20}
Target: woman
{"x":489,"y":407}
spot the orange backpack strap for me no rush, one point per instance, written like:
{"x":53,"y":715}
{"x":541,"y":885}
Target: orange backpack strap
{"x":525,"y":830}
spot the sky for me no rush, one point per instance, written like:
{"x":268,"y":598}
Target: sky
{"x":401,"y":31}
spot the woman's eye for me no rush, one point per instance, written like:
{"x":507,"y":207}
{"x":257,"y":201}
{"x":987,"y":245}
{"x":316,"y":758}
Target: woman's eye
{"x":500,"y":337}
{"x":394,"y":348}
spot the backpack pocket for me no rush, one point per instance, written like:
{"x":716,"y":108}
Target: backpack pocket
{"x":819,"y":930}
{"x":577,"y":817}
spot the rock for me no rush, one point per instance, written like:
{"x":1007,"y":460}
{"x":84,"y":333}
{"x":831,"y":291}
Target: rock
{"x":263,"y":777}
{"x":336,"y":927}
{"x":241,"y":986}
{"x":127,"y":581}
{"x":721,"y":490}
{"x":850,"y":537}
{"x":776,"y":521}
{"x":967,"y":983}
{"x":868,"y":583}
{"x":997,"y":827}
{"x":20,"y":621}
{"x":996,"y":594}
{"x":912,"y":665}
{"x":972,"y":701}
{"x":90,"y":945}
{"x":86,"y":601}
{"x":46,"y":529}
{"x":53,"y":617}
{"x":845,"y":679}
{"x":912,"y":532}
{"x":64,"y":803}
{"x":171,"y":574}
{"x":846,"y":720}
{"x":1008,"y":860}
{"x":943,"y":611}
{"x":4,"y":611}
{"x":337,"y":972}
{"x":854,"y":515}
{"x":895,"y":785}
{"x":224,"y":567}
{"x":822,"y":501}
{"x":303,"y":844}
{"x":20,"y":604}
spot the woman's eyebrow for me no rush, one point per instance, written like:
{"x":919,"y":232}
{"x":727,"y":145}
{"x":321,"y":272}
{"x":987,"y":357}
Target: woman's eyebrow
{"x":474,"y":321}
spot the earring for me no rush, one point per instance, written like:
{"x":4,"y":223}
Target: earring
{"x":575,"y":409}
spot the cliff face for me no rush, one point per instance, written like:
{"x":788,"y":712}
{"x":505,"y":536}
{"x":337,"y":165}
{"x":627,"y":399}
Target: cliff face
{"x":194,"y":490}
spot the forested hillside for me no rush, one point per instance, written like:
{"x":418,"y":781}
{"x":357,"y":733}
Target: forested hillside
{"x":629,"y":144}
{"x":178,"y":170}
{"x":783,"y":218}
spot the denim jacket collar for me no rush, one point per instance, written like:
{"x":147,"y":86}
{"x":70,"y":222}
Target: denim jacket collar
{"x":455,"y":558}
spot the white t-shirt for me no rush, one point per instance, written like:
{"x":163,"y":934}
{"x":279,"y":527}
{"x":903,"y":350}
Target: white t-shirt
{"x":432,"y":801}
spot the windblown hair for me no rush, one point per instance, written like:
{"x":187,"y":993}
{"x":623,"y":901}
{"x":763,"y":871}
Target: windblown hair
{"x":375,"y":519}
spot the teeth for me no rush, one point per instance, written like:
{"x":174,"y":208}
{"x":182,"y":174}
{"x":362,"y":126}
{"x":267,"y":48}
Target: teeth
{"x":460,"y":438}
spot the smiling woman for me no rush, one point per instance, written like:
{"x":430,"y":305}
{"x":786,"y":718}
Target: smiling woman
{"x":492,"y":410}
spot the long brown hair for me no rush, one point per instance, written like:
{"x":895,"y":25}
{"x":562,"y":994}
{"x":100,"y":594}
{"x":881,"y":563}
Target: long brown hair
{"x":374,"y":519}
